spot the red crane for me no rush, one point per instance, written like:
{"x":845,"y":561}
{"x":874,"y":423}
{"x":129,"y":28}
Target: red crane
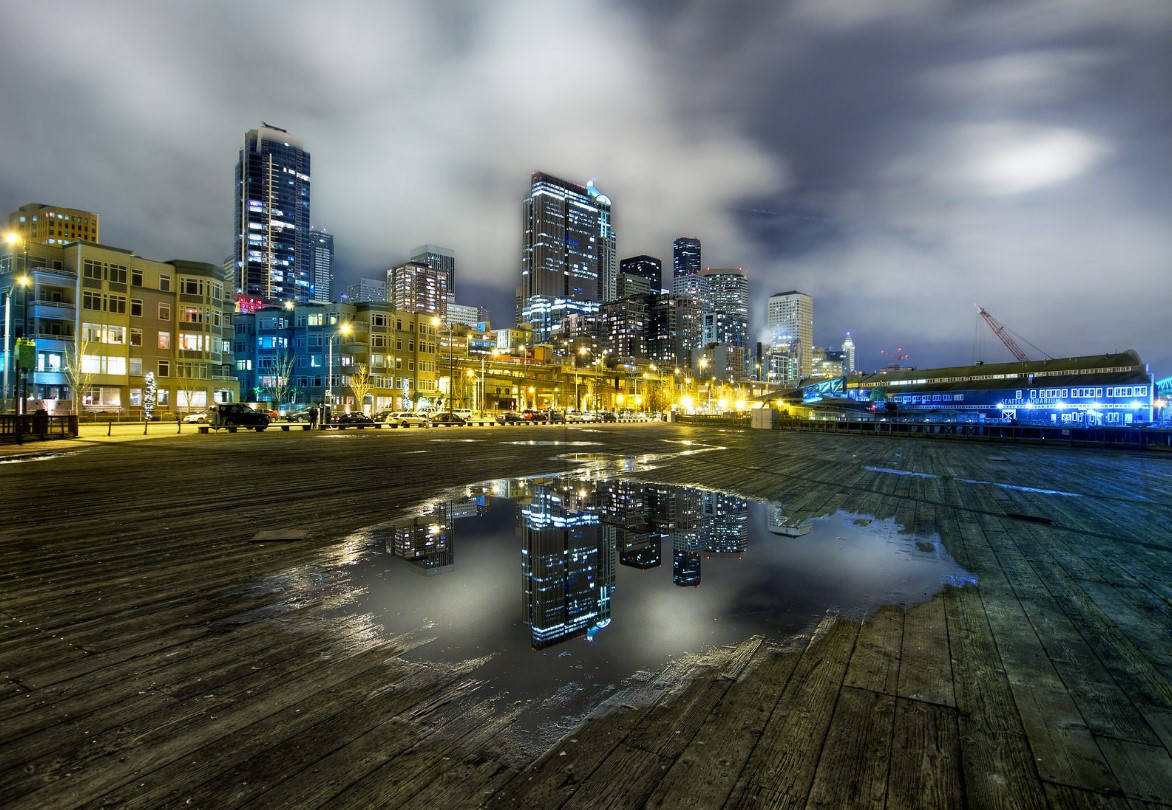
{"x":1000,"y":331}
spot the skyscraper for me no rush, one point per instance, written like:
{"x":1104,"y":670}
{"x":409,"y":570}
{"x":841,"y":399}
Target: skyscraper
{"x":272,"y":216}
{"x":726,"y":314}
{"x":607,"y":248}
{"x":790,"y":318}
{"x":685,"y":263}
{"x":322,"y":261}
{"x":567,"y":245}
{"x":848,"y":354}
{"x":647,"y":267}
{"x":415,"y":287}
{"x":438,"y":258}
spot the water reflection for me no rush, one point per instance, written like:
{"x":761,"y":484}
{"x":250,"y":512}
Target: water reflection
{"x":617,"y":576}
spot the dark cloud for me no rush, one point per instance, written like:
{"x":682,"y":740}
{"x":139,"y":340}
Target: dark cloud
{"x":897,"y":160}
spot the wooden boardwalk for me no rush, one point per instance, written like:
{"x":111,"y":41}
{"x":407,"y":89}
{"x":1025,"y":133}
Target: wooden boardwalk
{"x":150,"y":659}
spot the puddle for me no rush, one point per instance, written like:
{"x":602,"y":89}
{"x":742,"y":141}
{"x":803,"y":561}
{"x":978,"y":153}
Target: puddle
{"x":574,"y":586}
{"x":552,"y":442}
{"x":20,"y":459}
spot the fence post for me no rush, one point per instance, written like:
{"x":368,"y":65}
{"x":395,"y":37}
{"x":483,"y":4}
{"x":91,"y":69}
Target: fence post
{"x":109,"y":426}
{"x":144,"y":426}
{"x":178,"y":425}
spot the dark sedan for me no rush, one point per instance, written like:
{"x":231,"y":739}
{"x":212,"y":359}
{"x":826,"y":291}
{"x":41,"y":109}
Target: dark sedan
{"x":509,"y":418}
{"x":351,"y":420}
{"x":445,"y":418}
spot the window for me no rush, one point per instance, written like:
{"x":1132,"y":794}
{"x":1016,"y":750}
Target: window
{"x":91,"y":364}
{"x":164,"y":371}
{"x":315,"y":320}
{"x":115,"y":365}
{"x":91,"y":300}
{"x":135,"y":337}
{"x":49,"y":361}
{"x":192,"y":341}
{"x":114,"y":334}
{"x":91,"y":332}
{"x":164,"y":340}
{"x":191,"y":286}
{"x":164,"y":312}
{"x":136,"y":366}
{"x":165,"y":282}
{"x":117,"y":273}
{"x":92,"y":270}
{"x":135,"y":397}
{"x":136,"y":307}
{"x":136,"y":278}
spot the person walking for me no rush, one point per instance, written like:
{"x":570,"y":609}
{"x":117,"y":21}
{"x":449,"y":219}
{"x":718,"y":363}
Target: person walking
{"x":313,"y":418}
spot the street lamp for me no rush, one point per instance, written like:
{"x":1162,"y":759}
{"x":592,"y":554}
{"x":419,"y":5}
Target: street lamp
{"x":436,"y":322}
{"x":12,"y":239}
{"x":343,"y":329}
{"x":582,"y":351}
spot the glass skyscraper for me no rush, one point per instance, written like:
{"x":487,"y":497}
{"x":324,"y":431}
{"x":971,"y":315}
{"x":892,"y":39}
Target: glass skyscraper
{"x":438,"y":258}
{"x":685,"y":263}
{"x":273,"y":254}
{"x":568,"y":245}
{"x":322,"y":275}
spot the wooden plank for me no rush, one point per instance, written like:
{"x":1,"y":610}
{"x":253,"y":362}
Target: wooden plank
{"x":1144,"y":771}
{"x":925,"y":757}
{"x":781,"y":767}
{"x":875,"y":662}
{"x":706,"y":770}
{"x":852,"y":770}
{"x":925,"y":669}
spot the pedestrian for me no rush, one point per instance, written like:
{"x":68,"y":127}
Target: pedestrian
{"x":312,"y":418}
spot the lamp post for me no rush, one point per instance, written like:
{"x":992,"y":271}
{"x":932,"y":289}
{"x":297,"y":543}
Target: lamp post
{"x":582,"y":350}
{"x":11,"y":239}
{"x":343,"y":329}
{"x":436,"y":321}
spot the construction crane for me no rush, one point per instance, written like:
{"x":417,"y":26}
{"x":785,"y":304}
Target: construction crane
{"x":1001,"y":332}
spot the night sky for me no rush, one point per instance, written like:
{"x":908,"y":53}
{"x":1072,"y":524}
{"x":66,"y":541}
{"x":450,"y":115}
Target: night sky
{"x":898,"y":160}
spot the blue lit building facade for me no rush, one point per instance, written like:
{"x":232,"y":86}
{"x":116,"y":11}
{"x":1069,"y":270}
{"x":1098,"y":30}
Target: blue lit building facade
{"x":1113,"y":390}
{"x":321,"y":246}
{"x":274,"y":259}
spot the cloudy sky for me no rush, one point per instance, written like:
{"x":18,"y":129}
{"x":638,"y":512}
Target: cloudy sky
{"x":897,"y":160}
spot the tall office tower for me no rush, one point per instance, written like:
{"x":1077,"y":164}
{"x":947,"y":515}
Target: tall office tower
{"x":272,"y":217}
{"x":726,"y":316}
{"x":53,"y":225}
{"x":438,"y":258}
{"x":685,"y":263}
{"x":367,"y":290}
{"x":567,"y":246}
{"x":647,"y":267}
{"x":790,"y":318}
{"x":624,"y":326}
{"x":848,"y":355}
{"x":608,"y":255}
{"x":674,"y":330}
{"x":415,"y":287}
{"x":321,"y":246}
{"x":631,"y":284}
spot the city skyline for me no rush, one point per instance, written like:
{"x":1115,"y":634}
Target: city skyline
{"x":976,"y":183}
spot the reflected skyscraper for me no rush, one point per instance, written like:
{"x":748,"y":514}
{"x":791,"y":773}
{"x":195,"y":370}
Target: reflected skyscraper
{"x":424,"y":540}
{"x":567,"y":565}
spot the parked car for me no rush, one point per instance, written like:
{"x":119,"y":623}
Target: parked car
{"x":509,"y":418}
{"x":196,"y":418}
{"x":347,"y":419}
{"x":401,"y":418}
{"x":445,"y":418}
{"x":463,"y":413}
{"x":530,"y":415}
{"x":236,"y":414}
{"x":606,"y":416}
{"x":297,"y":416}
{"x":554,"y":416}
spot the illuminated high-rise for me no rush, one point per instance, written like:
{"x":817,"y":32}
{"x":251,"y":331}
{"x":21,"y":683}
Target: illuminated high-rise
{"x":568,"y":245}
{"x":686,"y":266}
{"x":321,"y":245}
{"x":790,"y":318}
{"x":274,"y":258}
{"x":848,"y":354}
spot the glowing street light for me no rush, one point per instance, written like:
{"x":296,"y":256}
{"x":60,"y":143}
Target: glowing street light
{"x":343,"y":329}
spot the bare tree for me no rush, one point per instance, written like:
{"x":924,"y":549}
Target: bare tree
{"x":283,"y":378}
{"x":79,"y":379}
{"x":360,"y":384}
